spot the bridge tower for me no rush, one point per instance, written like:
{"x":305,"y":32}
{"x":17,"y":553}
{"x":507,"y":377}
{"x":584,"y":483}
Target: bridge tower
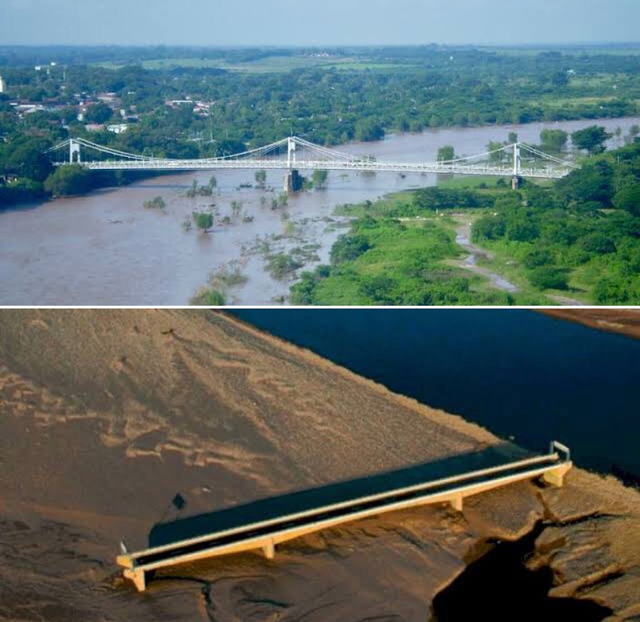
{"x":516,"y":180}
{"x":74,"y":149}
{"x":293,"y":180}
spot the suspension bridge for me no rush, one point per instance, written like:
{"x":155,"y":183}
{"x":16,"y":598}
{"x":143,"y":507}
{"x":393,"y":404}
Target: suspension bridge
{"x":265,"y":524}
{"x":294,"y":154}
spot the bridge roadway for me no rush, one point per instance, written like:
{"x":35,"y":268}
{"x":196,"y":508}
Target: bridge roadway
{"x":264,"y":524}
{"x":327,"y":165}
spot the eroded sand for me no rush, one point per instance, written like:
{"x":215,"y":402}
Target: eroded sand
{"x":623,"y":321}
{"x":106,"y":415}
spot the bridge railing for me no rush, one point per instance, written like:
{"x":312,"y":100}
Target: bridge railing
{"x":267,"y":533}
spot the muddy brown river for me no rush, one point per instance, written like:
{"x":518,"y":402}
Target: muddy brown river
{"x":107,"y":249}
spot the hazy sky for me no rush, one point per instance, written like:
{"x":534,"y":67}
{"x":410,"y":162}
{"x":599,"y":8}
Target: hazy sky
{"x":322,"y":22}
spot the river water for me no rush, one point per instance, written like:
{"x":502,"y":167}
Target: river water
{"x":518,"y":373}
{"x":107,"y":249}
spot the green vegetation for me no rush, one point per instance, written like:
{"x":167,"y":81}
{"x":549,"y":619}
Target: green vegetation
{"x":581,"y":234}
{"x":68,"y":181}
{"x":155,"y":203}
{"x":208,"y":297}
{"x":203,"y":220}
{"x":591,"y":138}
{"x":319,"y":179}
{"x":282,"y":266}
{"x":579,"y":237}
{"x":251,"y":97}
{"x":382,"y":261}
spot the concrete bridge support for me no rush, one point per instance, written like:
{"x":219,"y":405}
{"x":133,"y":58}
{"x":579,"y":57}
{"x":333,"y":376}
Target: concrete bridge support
{"x":293,"y":181}
{"x":556,"y":477}
{"x":456,"y":503}
{"x":138,"y":577}
{"x":269,"y":549}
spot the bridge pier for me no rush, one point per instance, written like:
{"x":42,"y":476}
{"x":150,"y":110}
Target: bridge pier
{"x":456,"y":503}
{"x":138,"y":577}
{"x":516,"y":182}
{"x":269,"y":549}
{"x":293,"y":181}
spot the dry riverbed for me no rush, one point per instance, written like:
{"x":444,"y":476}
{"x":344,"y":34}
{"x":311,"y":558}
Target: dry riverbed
{"x":106,"y":415}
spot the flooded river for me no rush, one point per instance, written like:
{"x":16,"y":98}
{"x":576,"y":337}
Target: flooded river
{"x":107,"y":249}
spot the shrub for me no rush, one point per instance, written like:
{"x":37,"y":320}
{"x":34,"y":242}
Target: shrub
{"x":203,"y":220}
{"x":207,"y":297}
{"x":538,"y":257}
{"x":549,"y":277}
{"x":68,"y":180}
{"x":628,"y":198}
{"x":598,"y":244}
{"x":488,"y":228}
{"x":280,"y":266}
{"x":349,"y":247}
{"x":155,"y":203}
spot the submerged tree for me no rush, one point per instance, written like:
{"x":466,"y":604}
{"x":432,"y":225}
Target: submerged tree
{"x":203,"y":220}
{"x":319,"y":178}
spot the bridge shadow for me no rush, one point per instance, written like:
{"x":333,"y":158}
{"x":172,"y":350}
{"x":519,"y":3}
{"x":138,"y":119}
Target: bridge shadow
{"x":302,"y":500}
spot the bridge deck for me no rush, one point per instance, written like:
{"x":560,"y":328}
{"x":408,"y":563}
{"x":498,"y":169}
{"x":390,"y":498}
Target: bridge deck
{"x":312,"y":165}
{"x":268,"y":523}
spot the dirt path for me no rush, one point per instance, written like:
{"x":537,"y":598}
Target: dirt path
{"x":463,"y":238}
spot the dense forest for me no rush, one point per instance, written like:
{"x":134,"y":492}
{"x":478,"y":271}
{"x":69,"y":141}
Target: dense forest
{"x":253,"y":97}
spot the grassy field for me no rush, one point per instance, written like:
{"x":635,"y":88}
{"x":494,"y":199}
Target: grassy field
{"x":412,"y":260}
{"x":272,"y":64}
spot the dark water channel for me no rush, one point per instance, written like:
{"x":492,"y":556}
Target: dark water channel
{"x":518,"y":373}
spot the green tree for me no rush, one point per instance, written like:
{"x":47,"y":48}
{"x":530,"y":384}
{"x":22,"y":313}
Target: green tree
{"x":538,"y":257}
{"x":27,"y":159}
{"x":368,"y":130}
{"x":446,"y":153}
{"x":319,"y":178}
{"x":193,"y":190}
{"x":496,"y":154}
{"x":99,"y":113}
{"x":68,"y":180}
{"x":236,"y":208}
{"x":348,"y":247}
{"x":591,"y":139}
{"x":598,"y":244}
{"x":553,"y":140}
{"x":628,"y":198}
{"x":261,"y":177}
{"x":549,"y":277}
{"x":203,"y":220}
{"x":560,"y":79}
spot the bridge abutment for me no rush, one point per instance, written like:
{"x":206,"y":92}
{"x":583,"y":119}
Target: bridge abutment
{"x":556,"y":477}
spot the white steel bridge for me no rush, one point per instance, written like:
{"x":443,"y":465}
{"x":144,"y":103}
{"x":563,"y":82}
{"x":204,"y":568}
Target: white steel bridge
{"x":517,"y":160}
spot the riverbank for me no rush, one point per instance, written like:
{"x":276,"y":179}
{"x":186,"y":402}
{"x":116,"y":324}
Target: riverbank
{"x":622,"y":321}
{"x":106,"y":249}
{"x":219,"y":429}
{"x":390,"y":256}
